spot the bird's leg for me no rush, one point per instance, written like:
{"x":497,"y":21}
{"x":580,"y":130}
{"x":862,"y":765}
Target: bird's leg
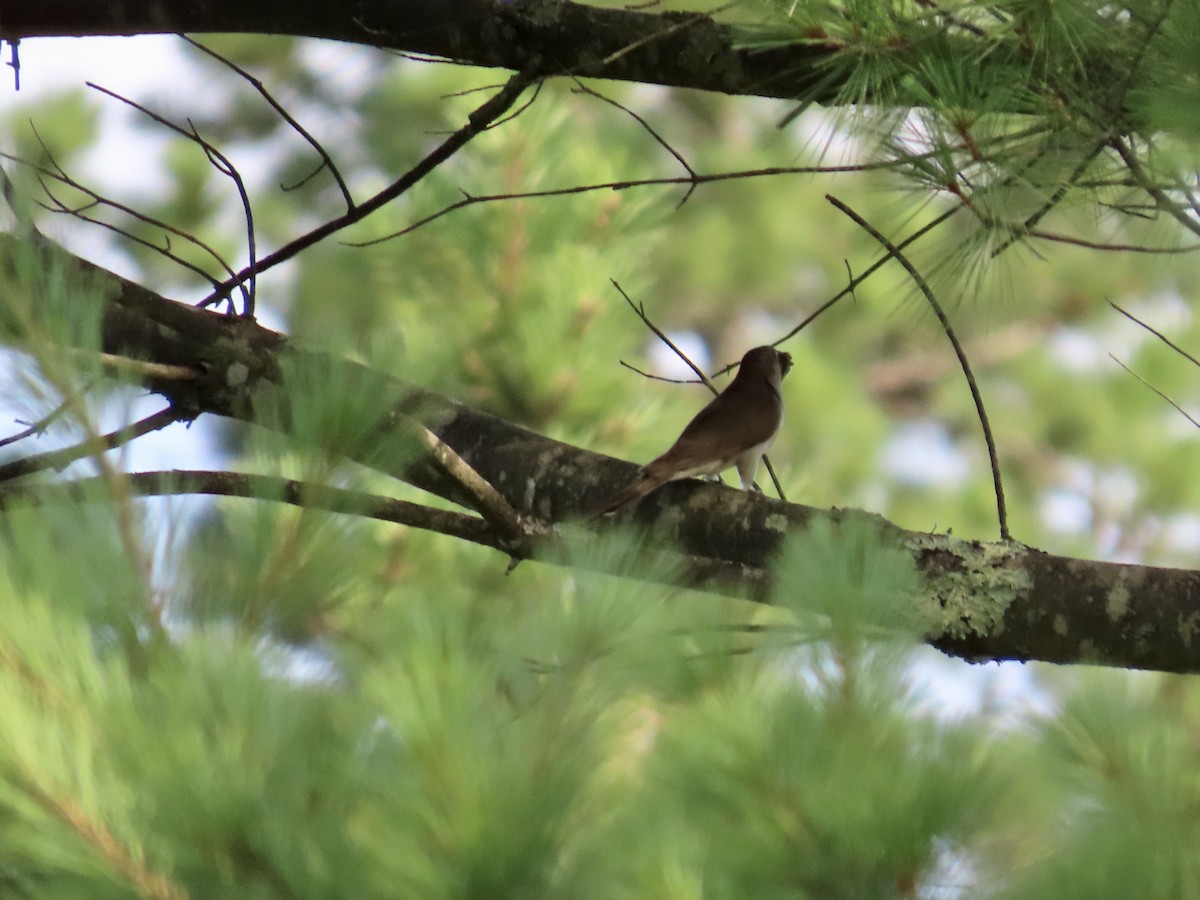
{"x":747,"y":468}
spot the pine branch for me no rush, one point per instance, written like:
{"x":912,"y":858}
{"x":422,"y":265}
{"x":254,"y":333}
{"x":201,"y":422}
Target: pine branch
{"x":991,"y":601}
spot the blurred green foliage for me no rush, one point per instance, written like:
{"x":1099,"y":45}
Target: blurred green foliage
{"x":286,"y":703}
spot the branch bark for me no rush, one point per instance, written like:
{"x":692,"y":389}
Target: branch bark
{"x":680,"y":49}
{"x":992,"y":600}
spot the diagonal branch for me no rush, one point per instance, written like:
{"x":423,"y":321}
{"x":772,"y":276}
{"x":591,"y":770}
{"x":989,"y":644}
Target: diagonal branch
{"x":487,"y":501}
{"x":477,"y":122}
{"x":665,"y":566}
{"x":327,"y":162}
{"x":60,"y":459}
{"x":1001,"y":512}
{"x":222,"y":164}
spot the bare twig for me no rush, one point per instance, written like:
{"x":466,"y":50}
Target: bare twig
{"x":477,"y":122}
{"x":487,"y":501}
{"x":14,"y":60}
{"x":124,"y":366}
{"x":77,"y":213}
{"x":650,"y":38}
{"x":326,"y":160}
{"x":40,"y":426}
{"x":1179,"y":408}
{"x":690,"y":180}
{"x":696,"y":570}
{"x":222,"y":164}
{"x":1059,"y":193}
{"x":1162,"y":201}
{"x":60,"y":175}
{"x":895,"y":252}
{"x":60,"y":459}
{"x":1158,"y":334}
{"x":1115,"y":248}
{"x":653,"y":377}
{"x":581,"y":88}
{"x":273,"y":488}
{"x":640,"y":312}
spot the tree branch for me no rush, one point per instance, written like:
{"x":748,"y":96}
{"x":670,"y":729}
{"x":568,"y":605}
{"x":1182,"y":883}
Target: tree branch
{"x":990,"y":601}
{"x":680,"y":49}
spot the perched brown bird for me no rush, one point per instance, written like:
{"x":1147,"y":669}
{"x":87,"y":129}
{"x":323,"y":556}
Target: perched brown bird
{"x":735,"y":429}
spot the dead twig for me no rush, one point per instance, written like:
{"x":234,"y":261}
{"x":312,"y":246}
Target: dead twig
{"x":40,"y":426}
{"x":581,"y":88}
{"x":326,"y":160}
{"x":1158,"y":334}
{"x":894,"y":252}
{"x":690,"y":180}
{"x":1178,"y":408}
{"x":486,"y":500}
{"x":477,"y":122}
{"x":60,"y":459}
{"x":222,"y":164}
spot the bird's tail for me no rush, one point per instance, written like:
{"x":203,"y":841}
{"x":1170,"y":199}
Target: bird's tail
{"x":636,"y":491}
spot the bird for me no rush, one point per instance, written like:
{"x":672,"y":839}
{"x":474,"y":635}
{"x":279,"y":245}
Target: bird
{"x":735,"y":429}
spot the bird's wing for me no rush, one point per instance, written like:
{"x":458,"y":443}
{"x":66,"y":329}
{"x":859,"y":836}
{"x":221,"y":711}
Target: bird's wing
{"x":699,"y":444}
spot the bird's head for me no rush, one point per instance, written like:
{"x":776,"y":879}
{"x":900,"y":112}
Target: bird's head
{"x":765,"y":362}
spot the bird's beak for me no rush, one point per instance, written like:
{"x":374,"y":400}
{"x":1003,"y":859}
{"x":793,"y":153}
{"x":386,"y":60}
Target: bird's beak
{"x":785,"y":363}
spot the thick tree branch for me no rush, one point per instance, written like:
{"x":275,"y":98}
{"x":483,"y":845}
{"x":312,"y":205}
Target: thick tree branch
{"x":994,"y":601}
{"x":680,"y":49}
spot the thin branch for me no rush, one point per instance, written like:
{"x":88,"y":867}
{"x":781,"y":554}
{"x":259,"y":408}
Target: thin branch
{"x":60,"y":459}
{"x":40,"y":426}
{"x":1161,"y":200}
{"x":1158,"y":334}
{"x":225,"y":166}
{"x":699,"y":18}
{"x":273,"y":488}
{"x":662,"y":566}
{"x":14,"y":60}
{"x":477,"y":122}
{"x":222,"y":164}
{"x":139,"y":369}
{"x":537,"y":92}
{"x":60,"y":175}
{"x":640,"y":312}
{"x":326,"y":160}
{"x":653,"y":377}
{"x":1059,"y":193}
{"x":488,"y":502}
{"x":1179,"y":408}
{"x":895,"y":252}
{"x":1101,"y":245}
{"x":581,"y":88}
{"x":77,"y":213}
{"x":691,"y":180}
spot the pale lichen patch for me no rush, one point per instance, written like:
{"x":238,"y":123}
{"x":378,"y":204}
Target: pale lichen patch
{"x":777,"y":522}
{"x":1117,"y":602}
{"x":1060,"y":625}
{"x":1189,"y":627}
{"x":970,"y":592}
{"x":237,"y":374}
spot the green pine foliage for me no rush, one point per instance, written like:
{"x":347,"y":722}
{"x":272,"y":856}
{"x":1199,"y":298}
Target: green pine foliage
{"x":245,"y":699}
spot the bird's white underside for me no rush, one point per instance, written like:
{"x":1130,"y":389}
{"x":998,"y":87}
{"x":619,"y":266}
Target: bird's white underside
{"x":746,"y":463}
